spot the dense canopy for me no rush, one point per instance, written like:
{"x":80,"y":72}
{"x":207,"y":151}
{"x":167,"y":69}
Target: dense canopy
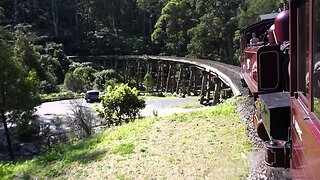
{"x":201,"y":28}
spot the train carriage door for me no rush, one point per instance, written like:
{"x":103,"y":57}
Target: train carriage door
{"x":305,"y":126}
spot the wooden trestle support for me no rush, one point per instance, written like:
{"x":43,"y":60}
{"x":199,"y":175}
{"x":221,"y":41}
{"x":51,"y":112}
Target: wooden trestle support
{"x":178,"y":78}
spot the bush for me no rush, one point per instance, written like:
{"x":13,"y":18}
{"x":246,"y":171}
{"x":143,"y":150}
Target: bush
{"x":80,"y":80}
{"x":72,"y":83}
{"x":120,"y":104}
{"x":27,"y":127}
{"x":105,"y":78}
{"x":82,"y":120}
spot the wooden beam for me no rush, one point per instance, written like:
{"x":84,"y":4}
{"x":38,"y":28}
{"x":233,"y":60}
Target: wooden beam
{"x":217,"y":91}
{"x":203,"y":86}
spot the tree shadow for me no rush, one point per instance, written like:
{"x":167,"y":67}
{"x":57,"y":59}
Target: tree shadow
{"x":86,"y":157}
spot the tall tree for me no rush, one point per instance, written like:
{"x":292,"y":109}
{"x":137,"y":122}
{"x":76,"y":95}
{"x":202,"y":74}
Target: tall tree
{"x":249,"y":11}
{"x":172,"y":26}
{"x":18,"y":85}
{"x":213,"y":36}
{"x":151,"y":10}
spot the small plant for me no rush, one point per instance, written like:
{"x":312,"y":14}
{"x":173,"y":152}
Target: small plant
{"x":144,"y":149}
{"x":121,"y":176}
{"x":120,"y":104}
{"x":148,"y":82}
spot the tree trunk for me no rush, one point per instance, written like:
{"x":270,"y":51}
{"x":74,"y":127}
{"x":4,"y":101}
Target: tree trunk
{"x":6,"y":130}
{"x":55,"y":16}
{"x":15,"y":19}
{"x":113,"y":16}
{"x":230,"y":49}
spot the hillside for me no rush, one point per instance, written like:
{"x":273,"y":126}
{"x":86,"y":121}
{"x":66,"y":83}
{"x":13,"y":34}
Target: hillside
{"x":203,"y":144}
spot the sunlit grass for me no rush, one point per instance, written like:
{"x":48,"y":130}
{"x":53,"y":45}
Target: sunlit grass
{"x":190,"y":105}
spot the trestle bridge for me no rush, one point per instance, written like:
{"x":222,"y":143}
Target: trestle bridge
{"x":184,"y":76}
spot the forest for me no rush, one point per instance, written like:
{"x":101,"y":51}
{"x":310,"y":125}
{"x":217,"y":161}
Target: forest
{"x":196,"y":28}
{"x":36,"y":36}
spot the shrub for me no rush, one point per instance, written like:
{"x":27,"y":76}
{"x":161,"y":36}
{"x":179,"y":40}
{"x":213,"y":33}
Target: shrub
{"x":120,"y":104}
{"x":60,"y":96}
{"x":105,"y":78}
{"x":148,"y":82}
{"x":27,"y":127}
{"x":82,"y":119}
{"x":81,"y":79}
{"x":72,"y":83}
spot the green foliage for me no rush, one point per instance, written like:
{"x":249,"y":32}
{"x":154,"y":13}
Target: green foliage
{"x":25,"y":53}
{"x":202,"y":28}
{"x":19,"y":87}
{"x":1,"y":11}
{"x":81,"y":79}
{"x":60,"y":96}
{"x":248,"y":12}
{"x":236,"y":47}
{"x":27,"y":127}
{"x":148,"y":82}
{"x":6,"y":170}
{"x":213,"y":36}
{"x":55,"y":64}
{"x":199,"y":28}
{"x":205,"y":41}
{"x":124,"y":148}
{"x":171,"y":28}
{"x":105,"y":78}
{"x":225,"y":108}
{"x":73,"y":83}
{"x":120,"y":104}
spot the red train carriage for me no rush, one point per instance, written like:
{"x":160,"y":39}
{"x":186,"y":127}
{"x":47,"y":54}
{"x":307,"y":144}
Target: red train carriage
{"x":287,"y":101}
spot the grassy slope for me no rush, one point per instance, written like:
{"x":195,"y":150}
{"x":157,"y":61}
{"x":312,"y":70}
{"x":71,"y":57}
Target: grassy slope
{"x":210,"y":143}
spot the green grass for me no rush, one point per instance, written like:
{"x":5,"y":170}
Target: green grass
{"x":210,"y":144}
{"x":124,"y":148}
{"x":190,"y":105}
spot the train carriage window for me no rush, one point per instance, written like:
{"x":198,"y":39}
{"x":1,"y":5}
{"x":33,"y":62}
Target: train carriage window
{"x":303,"y":46}
{"x":316,"y":59}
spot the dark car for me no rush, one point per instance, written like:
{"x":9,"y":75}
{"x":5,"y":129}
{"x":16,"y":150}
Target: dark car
{"x":92,"y":96}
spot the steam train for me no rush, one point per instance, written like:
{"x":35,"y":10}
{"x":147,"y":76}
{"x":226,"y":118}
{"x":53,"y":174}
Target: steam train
{"x":280,"y":65}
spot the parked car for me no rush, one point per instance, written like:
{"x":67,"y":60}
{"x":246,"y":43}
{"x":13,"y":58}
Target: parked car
{"x":92,"y":96}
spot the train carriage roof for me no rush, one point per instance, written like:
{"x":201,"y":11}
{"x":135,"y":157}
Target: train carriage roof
{"x":259,"y":26}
